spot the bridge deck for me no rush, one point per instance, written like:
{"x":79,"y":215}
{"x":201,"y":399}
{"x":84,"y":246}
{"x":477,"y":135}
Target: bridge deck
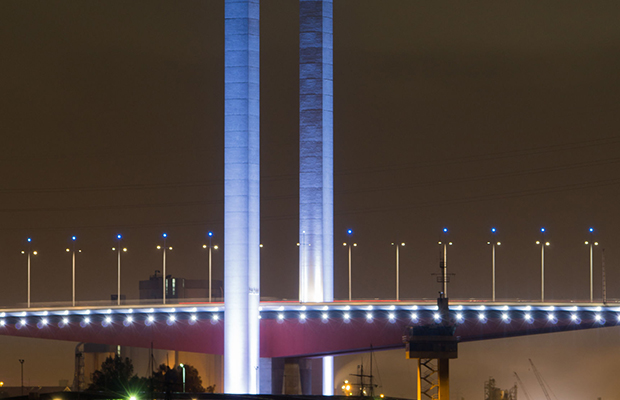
{"x":291,"y":329}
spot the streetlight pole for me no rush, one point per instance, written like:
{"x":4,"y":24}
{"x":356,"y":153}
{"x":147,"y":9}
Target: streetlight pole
{"x":183,"y":366}
{"x":542,"y":244}
{"x":493,"y":243}
{"x":210,"y":247}
{"x":21,"y":361}
{"x":350,"y":232}
{"x":444,"y":266}
{"x":28,"y":277}
{"x":398,"y":269}
{"x":164,"y":280}
{"x":118,"y":250}
{"x":118,"y":296}
{"x":29,"y":253}
{"x":591,"y":243}
{"x":73,"y":239}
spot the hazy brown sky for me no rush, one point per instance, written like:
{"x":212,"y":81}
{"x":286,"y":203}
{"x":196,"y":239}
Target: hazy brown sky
{"x":467,"y":115}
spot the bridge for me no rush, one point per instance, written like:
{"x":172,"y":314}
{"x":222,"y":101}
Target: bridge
{"x":244,"y":329}
{"x":293,"y":329}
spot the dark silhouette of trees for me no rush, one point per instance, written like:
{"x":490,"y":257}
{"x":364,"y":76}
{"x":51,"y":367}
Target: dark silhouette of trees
{"x":116,"y":376}
{"x":171,"y":379}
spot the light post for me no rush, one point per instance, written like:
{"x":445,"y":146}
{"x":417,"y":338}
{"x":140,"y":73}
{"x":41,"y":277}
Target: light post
{"x":164,"y":280}
{"x":118,"y":249}
{"x":591,"y":243}
{"x":493,"y":243}
{"x":444,"y":265}
{"x":183,"y":366}
{"x":349,"y":232}
{"x":398,"y":246}
{"x":29,"y":253}
{"x":210,"y":247}
{"x":73,"y":238}
{"x":21,"y":361}
{"x":542,"y":244}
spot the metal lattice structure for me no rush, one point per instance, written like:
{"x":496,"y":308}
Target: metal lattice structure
{"x":428,"y":378}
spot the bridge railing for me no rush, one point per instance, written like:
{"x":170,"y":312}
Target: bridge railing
{"x":218,"y":302}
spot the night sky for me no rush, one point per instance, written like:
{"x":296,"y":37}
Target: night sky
{"x":466,"y":115}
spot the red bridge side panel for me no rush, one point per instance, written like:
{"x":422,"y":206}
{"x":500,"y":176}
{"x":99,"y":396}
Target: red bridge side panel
{"x":289,"y":337}
{"x":201,"y":337}
{"x":313,"y":337}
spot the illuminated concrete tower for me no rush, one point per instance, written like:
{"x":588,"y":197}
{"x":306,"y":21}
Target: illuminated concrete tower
{"x":241,"y":196}
{"x":316,"y":159}
{"x":316,"y":152}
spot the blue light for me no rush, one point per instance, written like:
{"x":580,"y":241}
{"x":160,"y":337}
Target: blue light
{"x":349,"y":231}
{"x":542,"y":229}
{"x":445,"y":230}
{"x":73,"y":238}
{"x":591,"y":230}
{"x":29,"y":240}
{"x":119,"y":237}
{"x":493,"y":230}
{"x":210,"y":234}
{"x":165,"y":235}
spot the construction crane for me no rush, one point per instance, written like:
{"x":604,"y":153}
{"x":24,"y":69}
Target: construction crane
{"x":540,"y":380}
{"x":522,"y":387}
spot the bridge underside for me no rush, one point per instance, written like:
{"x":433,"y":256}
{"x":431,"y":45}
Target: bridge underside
{"x":291,"y":330}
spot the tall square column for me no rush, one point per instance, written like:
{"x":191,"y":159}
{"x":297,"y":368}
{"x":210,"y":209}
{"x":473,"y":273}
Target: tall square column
{"x":316,"y":159}
{"x":241,"y":196}
{"x":316,"y":151}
